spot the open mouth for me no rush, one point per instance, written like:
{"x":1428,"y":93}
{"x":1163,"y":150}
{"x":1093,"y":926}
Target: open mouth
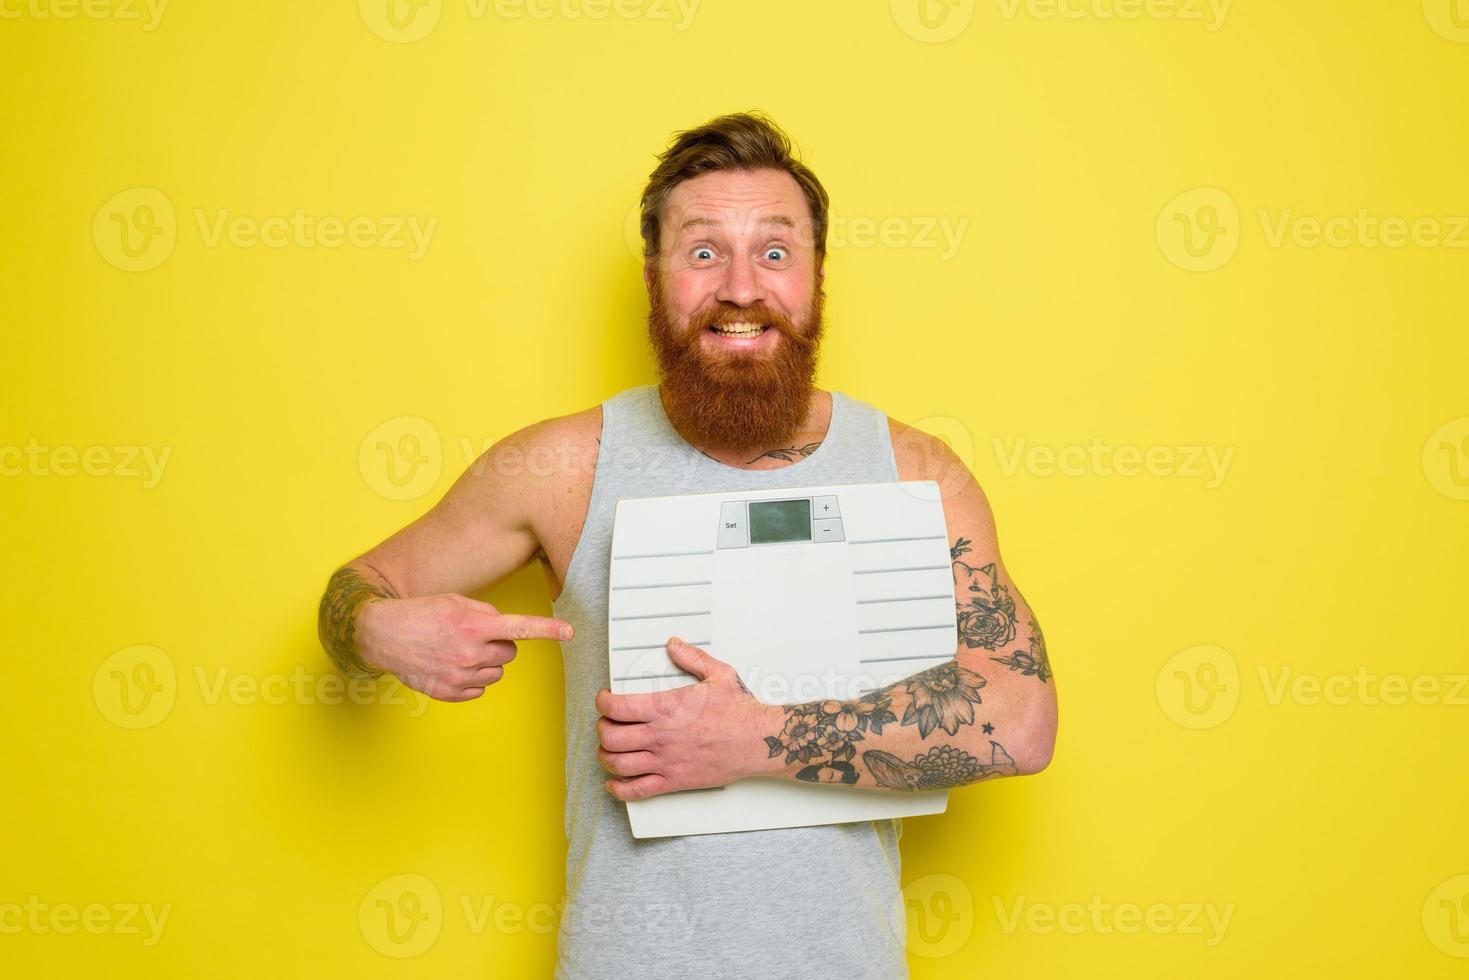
{"x":747,"y":330}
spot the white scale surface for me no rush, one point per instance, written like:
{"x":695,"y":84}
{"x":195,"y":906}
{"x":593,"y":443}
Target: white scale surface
{"x":831,"y":592}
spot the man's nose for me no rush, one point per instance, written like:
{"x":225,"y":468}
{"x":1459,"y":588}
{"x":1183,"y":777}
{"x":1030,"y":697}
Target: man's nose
{"x":740,"y":285}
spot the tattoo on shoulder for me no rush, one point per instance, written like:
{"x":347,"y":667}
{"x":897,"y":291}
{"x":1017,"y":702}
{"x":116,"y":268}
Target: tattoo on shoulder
{"x":987,"y":609}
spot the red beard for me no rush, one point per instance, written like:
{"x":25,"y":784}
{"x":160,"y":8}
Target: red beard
{"x":734,"y":401}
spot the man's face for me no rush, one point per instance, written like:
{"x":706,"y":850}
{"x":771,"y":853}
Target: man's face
{"x":736,"y":301}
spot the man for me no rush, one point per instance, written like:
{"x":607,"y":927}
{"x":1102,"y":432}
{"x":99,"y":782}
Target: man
{"x":734,"y":231}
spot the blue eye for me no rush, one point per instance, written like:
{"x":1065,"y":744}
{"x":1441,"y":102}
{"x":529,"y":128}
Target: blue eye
{"x":703,"y":252}
{"x":775,"y":254}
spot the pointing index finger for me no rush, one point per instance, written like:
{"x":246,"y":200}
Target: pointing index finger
{"x":513,"y":626}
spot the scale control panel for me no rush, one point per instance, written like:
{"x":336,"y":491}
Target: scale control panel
{"x":746,"y":523}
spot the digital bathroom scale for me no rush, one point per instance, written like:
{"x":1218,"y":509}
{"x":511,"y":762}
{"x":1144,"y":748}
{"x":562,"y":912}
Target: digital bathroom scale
{"x":809,"y":593}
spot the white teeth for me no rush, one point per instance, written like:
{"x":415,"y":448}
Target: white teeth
{"x":740,"y":329}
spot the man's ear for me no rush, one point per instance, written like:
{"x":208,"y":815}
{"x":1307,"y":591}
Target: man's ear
{"x":650,"y":269}
{"x":821,"y":271}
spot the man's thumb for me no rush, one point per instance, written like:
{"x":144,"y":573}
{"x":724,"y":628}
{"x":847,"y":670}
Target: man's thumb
{"x":690,"y":658}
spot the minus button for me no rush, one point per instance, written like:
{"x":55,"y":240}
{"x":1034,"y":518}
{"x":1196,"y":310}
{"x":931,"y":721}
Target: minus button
{"x":827,"y":530}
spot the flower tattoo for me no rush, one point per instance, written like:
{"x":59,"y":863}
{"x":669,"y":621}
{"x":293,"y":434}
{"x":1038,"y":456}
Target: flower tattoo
{"x":942,"y":697}
{"x":829,"y":729}
{"x":988,"y":619}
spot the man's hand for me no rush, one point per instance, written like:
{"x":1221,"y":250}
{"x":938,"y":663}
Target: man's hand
{"x":696,"y":736}
{"x":447,"y":646}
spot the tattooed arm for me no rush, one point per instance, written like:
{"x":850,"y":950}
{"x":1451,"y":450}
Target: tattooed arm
{"x":936,"y":729}
{"x":989,"y":712}
{"x":349,"y":588}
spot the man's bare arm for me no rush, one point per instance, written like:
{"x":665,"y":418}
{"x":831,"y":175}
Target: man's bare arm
{"x":940,"y":728}
{"x":402,"y":606}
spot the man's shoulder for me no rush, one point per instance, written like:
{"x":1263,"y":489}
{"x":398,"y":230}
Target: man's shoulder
{"x":582,"y":425}
{"x":914,"y":449}
{"x":581,"y":428}
{"x":921,"y":455}
{"x":575,"y":433}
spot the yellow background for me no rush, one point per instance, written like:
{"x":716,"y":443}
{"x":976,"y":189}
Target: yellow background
{"x":1335,"y":540}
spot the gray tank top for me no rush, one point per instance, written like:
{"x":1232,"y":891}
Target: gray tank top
{"x":800,"y":902}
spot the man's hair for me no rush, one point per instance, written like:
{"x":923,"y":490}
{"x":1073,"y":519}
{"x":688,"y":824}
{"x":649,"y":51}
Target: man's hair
{"x":738,"y":141}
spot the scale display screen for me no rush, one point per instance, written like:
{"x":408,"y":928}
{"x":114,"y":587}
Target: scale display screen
{"x":773,"y":521}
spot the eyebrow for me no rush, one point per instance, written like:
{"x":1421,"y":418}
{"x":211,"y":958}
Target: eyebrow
{"x":774,"y":219}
